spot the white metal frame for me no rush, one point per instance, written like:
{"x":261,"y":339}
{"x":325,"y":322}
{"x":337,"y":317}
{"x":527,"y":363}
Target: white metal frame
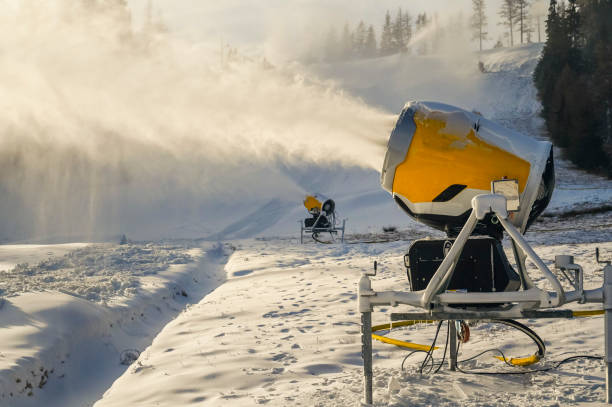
{"x":332,"y":229}
{"x":518,"y":304}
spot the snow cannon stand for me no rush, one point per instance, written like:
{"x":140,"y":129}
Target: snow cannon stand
{"x":460,"y":173}
{"x":322,"y":225}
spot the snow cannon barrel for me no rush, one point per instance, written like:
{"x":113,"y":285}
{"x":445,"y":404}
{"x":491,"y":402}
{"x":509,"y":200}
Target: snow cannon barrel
{"x":440,"y":156}
{"x":312,"y":204}
{"x":317,"y":203}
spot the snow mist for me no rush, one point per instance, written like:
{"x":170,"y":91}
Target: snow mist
{"x":104,"y":130}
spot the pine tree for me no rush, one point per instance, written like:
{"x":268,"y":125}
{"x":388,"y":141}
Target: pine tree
{"x":346,"y":43}
{"x":386,"y":40}
{"x":574,"y":81}
{"x":572,"y":19}
{"x":508,"y":13}
{"x":529,"y":30}
{"x":397,"y":30}
{"x":421,"y":23}
{"x":478,"y":22}
{"x":360,"y":39}
{"x":370,"y":43}
{"x":407,"y":28}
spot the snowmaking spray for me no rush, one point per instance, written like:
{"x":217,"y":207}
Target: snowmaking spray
{"x":475,"y":180}
{"x":105,"y":129}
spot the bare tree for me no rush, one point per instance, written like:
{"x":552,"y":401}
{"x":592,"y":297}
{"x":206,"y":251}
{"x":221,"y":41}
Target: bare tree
{"x":508,"y":13}
{"x":522,"y":17}
{"x":478,"y":21}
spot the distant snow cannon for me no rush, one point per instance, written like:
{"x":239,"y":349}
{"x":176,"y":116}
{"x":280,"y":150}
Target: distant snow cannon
{"x":322,"y":219}
{"x":439,"y":157}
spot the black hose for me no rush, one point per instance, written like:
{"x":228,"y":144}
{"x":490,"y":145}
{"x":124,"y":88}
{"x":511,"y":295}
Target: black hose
{"x":431,"y":349}
{"x":527,"y":331}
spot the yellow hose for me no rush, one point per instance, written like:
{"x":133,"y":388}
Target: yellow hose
{"x":587,"y":313}
{"x":397,"y":342}
{"x":525,"y":361}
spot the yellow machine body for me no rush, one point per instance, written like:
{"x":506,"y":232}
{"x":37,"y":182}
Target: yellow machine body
{"x":312,"y":203}
{"x":440,"y":156}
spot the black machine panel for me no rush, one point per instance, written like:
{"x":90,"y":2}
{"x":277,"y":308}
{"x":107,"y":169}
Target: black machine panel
{"x":482,"y":266}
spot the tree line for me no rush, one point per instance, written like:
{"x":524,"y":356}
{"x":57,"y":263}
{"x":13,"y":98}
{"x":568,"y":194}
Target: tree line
{"x":574,"y":81}
{"x":363,"y":42}
{"x":515,"y":16}
{"x":398,"y":32}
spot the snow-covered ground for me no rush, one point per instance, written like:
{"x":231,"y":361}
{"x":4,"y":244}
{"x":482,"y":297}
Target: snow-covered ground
{"x":68,"y":322}
{"x":260,"y":319}
{"x":284,"y":330}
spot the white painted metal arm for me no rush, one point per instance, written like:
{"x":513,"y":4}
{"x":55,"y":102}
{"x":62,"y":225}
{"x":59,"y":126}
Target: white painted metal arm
{"x":522,"y":243}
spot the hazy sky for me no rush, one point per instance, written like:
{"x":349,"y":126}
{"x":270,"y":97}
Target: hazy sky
{"x":283,"y":22}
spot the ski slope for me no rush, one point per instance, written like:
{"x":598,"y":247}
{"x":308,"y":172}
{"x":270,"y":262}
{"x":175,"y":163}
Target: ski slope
{"x":259,"y":319}
{"x":284,"y":330}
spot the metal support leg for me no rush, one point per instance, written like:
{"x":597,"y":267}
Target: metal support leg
{"x":607,"y":302}
{"x":452,"y":342}
{"x":366,"y":354}
{"x":301,"y":232}
{"x":343,"y":225}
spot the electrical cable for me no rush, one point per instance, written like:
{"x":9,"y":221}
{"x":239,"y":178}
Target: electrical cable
{"x":513,"y":362}
{"x":545,"y":369}
{"x":431,"y":348}
{"x":410,"y":354}
{"x":445,"y":347}
{"x":526,"y":361}
{"x":487,"y":351}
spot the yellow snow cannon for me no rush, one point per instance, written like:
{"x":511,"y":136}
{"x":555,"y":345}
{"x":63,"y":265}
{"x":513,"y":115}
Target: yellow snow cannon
{"x":322,"y":218}
{"x":439,"y":157}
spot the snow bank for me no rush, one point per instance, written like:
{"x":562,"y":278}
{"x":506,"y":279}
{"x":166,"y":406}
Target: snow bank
{"x":59,"y":348}
{"x":13,"y":254}
{"x":96,"y":272}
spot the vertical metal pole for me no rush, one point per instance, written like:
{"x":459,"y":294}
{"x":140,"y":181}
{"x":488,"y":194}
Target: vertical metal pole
{"x":452,"y":339}
{"x":607,"y":300}
{"x":343,"y":225}
{"x":301,"y":232}
{"x":366,"y":354}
